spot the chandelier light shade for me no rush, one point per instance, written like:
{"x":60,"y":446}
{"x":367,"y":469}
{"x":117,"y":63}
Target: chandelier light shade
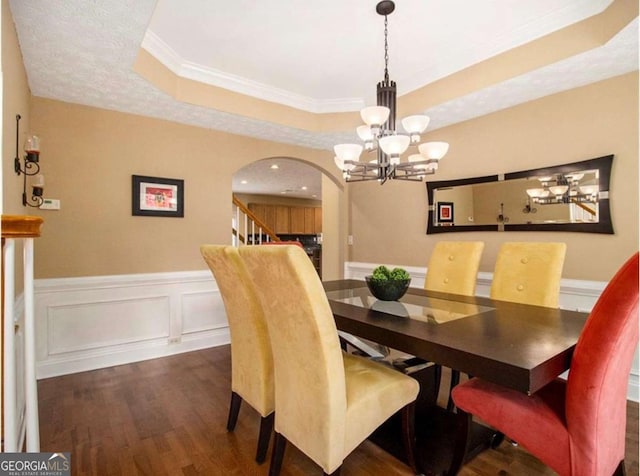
{"x":380,"y":136}
{"x":434,"y":150}
{"x":349,"y":153}
{"x":375,"y":116}
{"x":394,"y":146}
{"x":415,"y":125}
{"x":559,"y":190}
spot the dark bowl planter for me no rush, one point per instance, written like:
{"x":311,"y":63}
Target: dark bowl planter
{"x":388,"y":290}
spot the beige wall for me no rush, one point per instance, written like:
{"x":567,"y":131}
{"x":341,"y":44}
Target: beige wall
{"x":89,"y":157}
{"x":15,"y":100}
{"x":388,"y":222}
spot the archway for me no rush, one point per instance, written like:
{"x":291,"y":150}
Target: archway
{"x":299,"y":185}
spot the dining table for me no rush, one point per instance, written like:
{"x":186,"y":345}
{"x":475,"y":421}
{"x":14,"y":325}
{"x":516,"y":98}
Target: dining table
{"x":519,"y":346}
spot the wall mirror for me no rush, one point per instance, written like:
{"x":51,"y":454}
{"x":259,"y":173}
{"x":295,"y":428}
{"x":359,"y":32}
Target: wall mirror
{"x":569,"y":197}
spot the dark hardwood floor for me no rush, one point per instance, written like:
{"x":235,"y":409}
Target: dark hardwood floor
{"x":168,"y":417}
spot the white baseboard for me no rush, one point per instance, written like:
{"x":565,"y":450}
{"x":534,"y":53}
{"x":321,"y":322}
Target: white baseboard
{"x":576,"y":295}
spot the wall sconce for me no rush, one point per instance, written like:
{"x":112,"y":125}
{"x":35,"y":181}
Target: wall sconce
{"x":502,"y":218}
{"x":528,"y":208}
{"x":31,"y":167}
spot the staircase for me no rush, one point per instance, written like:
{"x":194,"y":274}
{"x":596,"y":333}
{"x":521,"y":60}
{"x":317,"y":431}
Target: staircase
{"x":248,"y":229}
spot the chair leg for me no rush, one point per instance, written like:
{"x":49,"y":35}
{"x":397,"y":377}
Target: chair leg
{"x":620,"y":470}
{"x":409,"y":434}
{"x":234,"y":410}
{"x":335,"y":473}
{"x":455,"y":380}
{"x":266,"y":427}
{"x":463,"y":422}
{"x":279,"y":445}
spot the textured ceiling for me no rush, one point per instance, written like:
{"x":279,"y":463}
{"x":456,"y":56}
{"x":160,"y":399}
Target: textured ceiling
{"x":83,"y":52}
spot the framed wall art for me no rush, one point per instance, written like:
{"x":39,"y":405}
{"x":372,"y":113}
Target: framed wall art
{"x":157,"y":196}
{"x":445,"y":212}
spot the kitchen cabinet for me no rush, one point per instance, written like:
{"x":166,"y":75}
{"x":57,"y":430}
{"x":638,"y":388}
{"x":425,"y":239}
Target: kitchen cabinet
{"x":284,"y":220}
{"x":296,"y":225}
{"x":309,"y":221}
{"x":265,"y":213}
{"x":282,"y":224}
{"x":317,"y":213}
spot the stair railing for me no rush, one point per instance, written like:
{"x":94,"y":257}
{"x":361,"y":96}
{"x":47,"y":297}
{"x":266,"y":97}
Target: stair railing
{"x":14,"y":228}
{"x":247,"y":228}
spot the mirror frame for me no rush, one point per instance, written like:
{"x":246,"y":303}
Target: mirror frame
{"x":604,"y":225}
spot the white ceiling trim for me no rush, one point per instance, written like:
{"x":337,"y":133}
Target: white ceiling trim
{"x":618,"y":56}
{"x":214,"y":77}
{"x":481,"y":49}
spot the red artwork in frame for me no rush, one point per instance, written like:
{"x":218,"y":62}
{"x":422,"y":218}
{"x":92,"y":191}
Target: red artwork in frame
{"x":157,"y":196}
{"x":445,"y":212}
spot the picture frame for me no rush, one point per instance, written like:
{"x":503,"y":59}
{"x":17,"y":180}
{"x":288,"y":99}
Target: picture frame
{"x":445,"y":212}
{"x":157,"y":196}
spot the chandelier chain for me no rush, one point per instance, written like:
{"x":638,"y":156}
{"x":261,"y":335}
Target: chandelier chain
{"x":386,"y":51}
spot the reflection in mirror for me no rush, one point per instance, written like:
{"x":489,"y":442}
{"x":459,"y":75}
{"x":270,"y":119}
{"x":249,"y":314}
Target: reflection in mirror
{"x":571,"y":197}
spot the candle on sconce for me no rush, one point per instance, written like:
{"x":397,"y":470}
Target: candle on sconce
{"x":38,"y":185}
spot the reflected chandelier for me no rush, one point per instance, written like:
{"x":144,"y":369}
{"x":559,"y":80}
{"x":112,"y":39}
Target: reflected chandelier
{"x":379,"y":135}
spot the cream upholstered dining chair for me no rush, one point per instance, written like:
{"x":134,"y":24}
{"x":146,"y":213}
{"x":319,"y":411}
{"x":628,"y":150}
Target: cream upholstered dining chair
{"x":529,"y":273}
{"x":327,"y":401}
{"x":251,"y":359}
{"x":453,"y":268}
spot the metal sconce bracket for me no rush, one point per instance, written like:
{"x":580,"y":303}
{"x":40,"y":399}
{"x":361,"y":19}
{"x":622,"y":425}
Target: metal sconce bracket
{"x":31,"y":168}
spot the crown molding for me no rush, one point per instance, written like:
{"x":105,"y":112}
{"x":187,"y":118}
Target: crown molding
{"x":214,"y":77}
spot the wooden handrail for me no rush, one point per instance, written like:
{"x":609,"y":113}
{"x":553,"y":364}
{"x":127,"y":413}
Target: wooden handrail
{"x":260,"y":223}
{"x":240,"y":236}
{"x":21,"y":226}
{"x":585,"y":208}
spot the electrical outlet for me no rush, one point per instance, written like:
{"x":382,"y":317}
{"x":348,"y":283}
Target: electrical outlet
{"x":174,"y":340}
{"x":50,"y":204}
{"x":350,"y":239}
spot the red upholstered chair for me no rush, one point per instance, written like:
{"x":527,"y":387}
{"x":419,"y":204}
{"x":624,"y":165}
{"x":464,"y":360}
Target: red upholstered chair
{"x":297,"y":243}
{"x":577,"y":427}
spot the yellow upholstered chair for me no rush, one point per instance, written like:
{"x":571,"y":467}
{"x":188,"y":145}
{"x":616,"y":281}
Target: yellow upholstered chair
{"x":453,"y":268}
{"x":529,"y":273}
{"x":327,"y":401}
{"x":251,"y":359}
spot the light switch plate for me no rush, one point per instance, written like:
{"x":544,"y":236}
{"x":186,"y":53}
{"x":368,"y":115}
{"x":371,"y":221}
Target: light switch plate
{"x":50,"y":204}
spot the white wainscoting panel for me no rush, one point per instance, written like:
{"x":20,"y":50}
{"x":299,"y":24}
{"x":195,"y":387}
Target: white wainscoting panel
{"x":100,"y":321}
{"x":202,"y":311}
{"x":576,"y":295}
{"x":80,"y":327}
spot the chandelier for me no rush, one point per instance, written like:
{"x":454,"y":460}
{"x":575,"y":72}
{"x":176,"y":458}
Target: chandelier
{"x":565,"y":188}
{"x":380,"y":136}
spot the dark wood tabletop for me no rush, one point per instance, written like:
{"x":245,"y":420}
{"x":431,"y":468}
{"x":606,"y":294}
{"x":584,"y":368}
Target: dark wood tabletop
{"x":515,"y":345}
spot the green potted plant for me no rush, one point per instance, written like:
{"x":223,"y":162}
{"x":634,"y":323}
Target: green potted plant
{"x":388,"y":284}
